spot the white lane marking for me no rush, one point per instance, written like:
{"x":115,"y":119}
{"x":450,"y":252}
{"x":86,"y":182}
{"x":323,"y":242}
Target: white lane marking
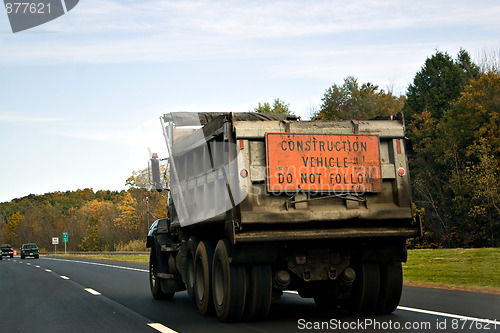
{"x":48,"y":270}
{"x":450,"y":315}
{"x":436,"y":313}
{"x":92,"y":291}
{"x":161,"y":328}
{"x":64,"y":277}
{"x":99,"y":264}
{"x":37,"y":266}
{"x":28,"y":264}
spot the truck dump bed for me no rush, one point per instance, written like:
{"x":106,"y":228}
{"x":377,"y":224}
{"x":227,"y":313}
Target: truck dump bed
{"x":268,"y":177}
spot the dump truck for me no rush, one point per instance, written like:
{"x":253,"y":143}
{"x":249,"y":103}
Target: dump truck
{"x":259,"y":204}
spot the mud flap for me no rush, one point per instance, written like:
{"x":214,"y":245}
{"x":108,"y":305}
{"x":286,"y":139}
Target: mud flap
{"x":171,"y":285}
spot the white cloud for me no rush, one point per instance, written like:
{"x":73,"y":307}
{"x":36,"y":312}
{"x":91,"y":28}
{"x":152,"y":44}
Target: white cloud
{"x":272,"y":19}
{"x":105,"y":31}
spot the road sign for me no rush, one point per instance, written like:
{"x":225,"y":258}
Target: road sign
{"x":55,"y":240}
{"x":65,"y":237}
{"x":323,"y":163}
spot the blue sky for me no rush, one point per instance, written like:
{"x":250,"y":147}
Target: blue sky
{"x":80,"y":96}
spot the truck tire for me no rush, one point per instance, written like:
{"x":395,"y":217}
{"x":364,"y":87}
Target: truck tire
{"x":154,"y":280}
{"x":365,"y":290}
{"x":190,"y":255}
{"x":259,"y":293}
{"x":229,"y":284}
{"x":391,"y":286}
{"x":203,"y":276}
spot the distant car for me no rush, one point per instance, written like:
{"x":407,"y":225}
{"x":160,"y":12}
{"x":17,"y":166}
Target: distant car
{"x":29,"y":250}
{"x":6,"y":250}
{"x":1,"y":256}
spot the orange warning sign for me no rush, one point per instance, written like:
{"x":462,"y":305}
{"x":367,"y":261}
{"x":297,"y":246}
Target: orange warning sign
{"x":323,"y":162}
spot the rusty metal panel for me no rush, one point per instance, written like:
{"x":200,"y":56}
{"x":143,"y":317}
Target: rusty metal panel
{"x":257,"y":161}
{"x":386,"y":129}
{"x":402,"y":182}
{"x":388,"y":171}
{"x":256,"y":129}
{"x":273,"y":211}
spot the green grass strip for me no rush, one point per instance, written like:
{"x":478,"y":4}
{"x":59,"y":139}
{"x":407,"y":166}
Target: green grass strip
{"x":462,"y":267}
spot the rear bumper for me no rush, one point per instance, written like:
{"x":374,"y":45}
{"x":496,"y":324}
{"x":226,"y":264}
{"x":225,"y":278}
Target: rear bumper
{"x":321,"y":234}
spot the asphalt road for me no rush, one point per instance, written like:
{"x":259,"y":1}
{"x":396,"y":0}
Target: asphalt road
{"x":61,"y":295}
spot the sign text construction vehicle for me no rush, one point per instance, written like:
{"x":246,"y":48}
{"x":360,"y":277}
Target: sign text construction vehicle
{"x":261,"y":203}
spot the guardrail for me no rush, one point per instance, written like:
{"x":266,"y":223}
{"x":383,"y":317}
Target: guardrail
{"x":99,"y":253}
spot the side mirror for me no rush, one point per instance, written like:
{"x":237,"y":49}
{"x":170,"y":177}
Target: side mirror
{"x":154,"y":165}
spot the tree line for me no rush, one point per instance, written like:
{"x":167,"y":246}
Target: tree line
{"x":94,"y":221}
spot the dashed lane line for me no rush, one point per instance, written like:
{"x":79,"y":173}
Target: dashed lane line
{"x":157,"y":326}
{"x":161,"y":328}
{"x":92,"y":291}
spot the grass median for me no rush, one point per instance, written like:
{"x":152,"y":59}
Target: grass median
{"x":139,"y":258}
{"x":462,"y":269}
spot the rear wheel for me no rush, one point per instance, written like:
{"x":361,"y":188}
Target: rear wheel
{"x":365,"y":290}
{"x":229,"y":284}
{"x":259,"y":293}
{"x":203,"y":276}
{"x":391,"y":286}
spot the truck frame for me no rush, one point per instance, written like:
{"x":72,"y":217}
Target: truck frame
{"x":262,"y":203}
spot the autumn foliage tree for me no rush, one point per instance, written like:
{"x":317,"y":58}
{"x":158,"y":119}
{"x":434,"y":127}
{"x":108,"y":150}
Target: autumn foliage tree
{"x":470,"y":151}
{"x":453,"y":120}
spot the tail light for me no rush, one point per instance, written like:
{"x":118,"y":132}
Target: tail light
{"x":300,"y":258}
{"x":335,"y":258}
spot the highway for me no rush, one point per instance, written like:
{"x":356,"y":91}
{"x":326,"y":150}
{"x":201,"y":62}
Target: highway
{"x":80,"y":295}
